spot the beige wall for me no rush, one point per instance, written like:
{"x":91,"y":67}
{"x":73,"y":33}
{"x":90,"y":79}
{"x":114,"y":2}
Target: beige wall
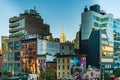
{"x":63,"y":61}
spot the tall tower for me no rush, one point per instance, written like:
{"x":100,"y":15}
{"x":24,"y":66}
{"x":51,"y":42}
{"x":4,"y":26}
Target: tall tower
{"x":62,"y":36}
{"x":97,"y":38}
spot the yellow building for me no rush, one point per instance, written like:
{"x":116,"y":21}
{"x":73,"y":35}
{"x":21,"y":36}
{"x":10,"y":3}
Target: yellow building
{"x":63,"y":67}
{"x":62,"y":36}
{"x":71,"y":67}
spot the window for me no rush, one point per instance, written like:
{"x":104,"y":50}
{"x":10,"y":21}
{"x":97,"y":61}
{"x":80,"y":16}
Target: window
{"x":67,"y":60}
{"x":96,"y":18}
{"x":104,"y":19}
{"x":17,"y":56}
{"x":62,"y":47}
{"x":59,"y":74}
{"x":70,"y":47}
{"x":58,"y":60}
{"x":103,"y":35}
{"x":63,"y":74}
{"x":63,"y":67}
{"x":58,"y":67}
{"x":96,"y":24}
{"x":92,"y":75}
{"x":104,"y":42}
{"x":63,"y":60}
{"x":39,"y":60}
{"x":68,"y":74}
{"x":68,"y":67}
{"x":44,"y":60}
{"x":103,"y":25}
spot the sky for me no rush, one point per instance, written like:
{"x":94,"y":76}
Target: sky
{"x":56,"y":13}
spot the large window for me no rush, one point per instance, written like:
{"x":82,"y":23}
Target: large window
{"x":96,"y":18}
{"x":5,"y":57}
{"x":103,"y":25}
{"x":17,"y":56}
{"x":96,"y":24}
{"x":10,"y":56}
{"x":104,"y":19}
{"x":104,"y":42}
{"x":17,"y":45}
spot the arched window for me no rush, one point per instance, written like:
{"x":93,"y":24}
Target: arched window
{"x":92,"y":75}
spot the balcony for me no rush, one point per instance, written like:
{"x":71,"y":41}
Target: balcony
{"x":14,"y":35}
{"x":13,"y":25}
{"x":13,"y":30}
{"x":11,"y":36}
{"x":14,"y":19}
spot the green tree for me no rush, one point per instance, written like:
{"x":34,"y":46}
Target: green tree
{"x":107,"y":76}
{"x":8,"y":74}
{"x":50,"y":73}
{"x":117,"y":72}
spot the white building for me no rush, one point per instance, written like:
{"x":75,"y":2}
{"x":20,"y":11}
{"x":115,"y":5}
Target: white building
{"x":66,"y":48}
{"x":49,"y":48}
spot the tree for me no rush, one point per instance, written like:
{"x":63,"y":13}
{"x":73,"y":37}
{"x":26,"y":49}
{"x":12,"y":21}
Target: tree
{"x":50,"y":73}
{"x":6,"y":73}
{"x":117,"y":72}
{"x":107,"y":76}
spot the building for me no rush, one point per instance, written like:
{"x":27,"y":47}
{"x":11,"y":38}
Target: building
{"x":93,"y":73}
{"x":28,"y":25}
{"x":66,"y":48}
{"x":96,"y":38}
{"x":70,"y":66}
{"x":25,"y":26}
{"x":116,"y":44}
{"x":42,"y":63}
{"x":11,"y":55}
{"x":49,"y":48}
{"x":47,"y":51}
{"x":62,"y":37}
{"x":28,"y":53}
{"x":4,"y":41}
{"x":63,"y":67}
{"x":0,"y":61}
{"x":76,"y":44}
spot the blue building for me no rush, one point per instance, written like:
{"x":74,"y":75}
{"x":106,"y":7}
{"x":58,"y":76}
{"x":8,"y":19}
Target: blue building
{"x":116,"y":44}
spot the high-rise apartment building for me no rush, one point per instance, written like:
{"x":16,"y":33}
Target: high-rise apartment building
{"x":96,"y":38}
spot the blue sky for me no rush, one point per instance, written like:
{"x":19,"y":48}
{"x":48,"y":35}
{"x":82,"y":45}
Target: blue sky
{"x":56,"y":13}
